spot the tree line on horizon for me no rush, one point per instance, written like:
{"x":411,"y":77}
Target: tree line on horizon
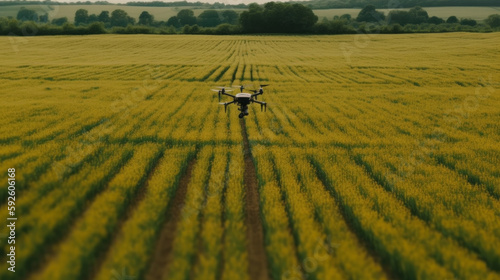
{"x":391,"y":4}
{"x":198,"y":4}
{"x":313,"y":4}
{"x":271,"y":17}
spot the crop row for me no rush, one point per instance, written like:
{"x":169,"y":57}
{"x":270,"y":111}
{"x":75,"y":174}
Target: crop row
{"x":53,"y":212}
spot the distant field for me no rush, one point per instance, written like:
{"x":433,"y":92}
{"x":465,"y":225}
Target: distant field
{"x":163,"y":13}
{"x":54,"y":11}
{"x":377,"y":158}
{"x":477,"y":13}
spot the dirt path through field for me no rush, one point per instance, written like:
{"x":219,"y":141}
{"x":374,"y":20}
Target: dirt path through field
{"x":256,"y":254}
{"x":162,"y":255}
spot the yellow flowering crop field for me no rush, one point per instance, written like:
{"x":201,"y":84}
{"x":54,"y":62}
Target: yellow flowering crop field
{"x":378,"y":157}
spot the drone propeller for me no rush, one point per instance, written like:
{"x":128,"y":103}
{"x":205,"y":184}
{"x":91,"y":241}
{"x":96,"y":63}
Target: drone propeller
{"x":241,"y":87}
{"x":225,"y":104}
{"x":259,"y":91}
{"x":221,"y":89}
{"x":263,"y":86}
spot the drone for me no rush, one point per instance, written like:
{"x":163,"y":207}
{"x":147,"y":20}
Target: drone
{"x":242,"y":99}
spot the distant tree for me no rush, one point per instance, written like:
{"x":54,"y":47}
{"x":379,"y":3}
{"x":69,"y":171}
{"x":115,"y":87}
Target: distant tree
{"x":229,"y":16}
{"x":399,"y":17}
{"x":60,"y":21}
{"x":174,"y":21}
{"x":288,"y":18}
{"x":29,"y":28}
{"x":321,"y":27}
{"x":418,"y":15}
{"x":81,"y":16}
{"x":337,"y":27}
{"x":415,"y":15}
{"x":93,"y":18}
{"x":26,"y":15}
{"x":195,"y":29}
{"x":396,"y":28}
{"x":44,"y":18}
{"x":146,"y":18}
{"x":253,"y":20}
{"x":254,"y":7}
{"x":452,"y":19}
{"x":120,"y":18}
{"x":468,"y":21}
{"x":278,"y":18}
{"x":346,"y":17}
{"x":96,"y":28}
{"x":209,"y":18}
{"x":186,"y":17}
{"x":68,"y":27}
{"x":188,"y":29}
{"x":370,"y":14}
{"x":225,"y":29}
{"x":104,"y":17}
{"x":493,"y":20}
{"x":435,"y":20}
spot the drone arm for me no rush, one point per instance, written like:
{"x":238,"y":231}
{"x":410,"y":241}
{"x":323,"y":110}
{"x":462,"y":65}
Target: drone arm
{"x":226,"y":103}
{"x":228,"y":94}
{"x":262,"y":104}
{"x":259,"y":102}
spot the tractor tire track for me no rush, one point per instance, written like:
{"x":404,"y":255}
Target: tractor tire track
{"x":162,"y":255}
{"x":257,"y":257}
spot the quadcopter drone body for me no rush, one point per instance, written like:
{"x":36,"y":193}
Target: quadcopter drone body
{"x":242,"y":99}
